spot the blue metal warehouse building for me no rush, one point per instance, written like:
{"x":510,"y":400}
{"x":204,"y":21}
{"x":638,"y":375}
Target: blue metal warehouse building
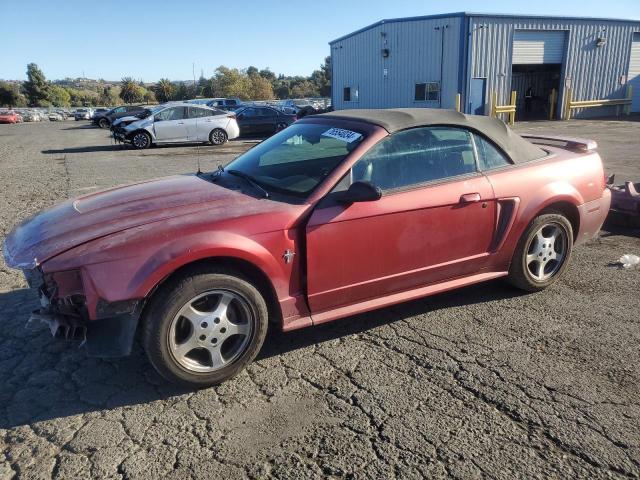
{"x":426,"y":61}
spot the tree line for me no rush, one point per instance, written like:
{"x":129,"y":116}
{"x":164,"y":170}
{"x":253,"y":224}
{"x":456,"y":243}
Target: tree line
{"x":246,"y":84}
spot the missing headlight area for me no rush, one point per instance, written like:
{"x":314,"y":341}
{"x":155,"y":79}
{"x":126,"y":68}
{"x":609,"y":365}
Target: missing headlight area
{"x":62,"y":300}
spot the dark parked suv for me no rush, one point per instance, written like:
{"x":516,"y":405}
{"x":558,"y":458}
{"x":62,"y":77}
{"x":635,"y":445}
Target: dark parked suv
{"x":262,"y":120}
{"x":105,"y":119}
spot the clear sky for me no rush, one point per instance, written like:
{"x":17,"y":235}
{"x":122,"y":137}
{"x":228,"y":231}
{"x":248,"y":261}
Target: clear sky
{"x":152,"y":39}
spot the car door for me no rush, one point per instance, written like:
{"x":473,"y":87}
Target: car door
{"x":247,"y":119}
{"x":267,"y":120}
{"x":169,"y":125}
{"x":434,"y":222}
{"x":206,"y":121}
{"x":193,"y":123}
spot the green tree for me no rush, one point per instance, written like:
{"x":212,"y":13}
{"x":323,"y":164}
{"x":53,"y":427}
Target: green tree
{"x":10,"y":95}
{"x":164,"y":90}
{"x":231,"y":82}
{"x":304,"y":89}
{"x":260,"y":88}
{"x":59,"y":96}
{"x":322,"y":78}
{"x":268,"y":74}
{"x":131,"y":91}
{"x":181,"y":92}
{"x":36,"y":88}
{"x":149,"y":96}
{"x":109,"y":96}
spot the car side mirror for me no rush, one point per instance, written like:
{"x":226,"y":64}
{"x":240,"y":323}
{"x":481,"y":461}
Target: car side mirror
{"x":360,"y":192}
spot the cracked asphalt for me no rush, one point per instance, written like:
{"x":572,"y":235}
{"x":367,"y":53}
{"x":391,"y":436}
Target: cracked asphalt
{"x":481,"y":382}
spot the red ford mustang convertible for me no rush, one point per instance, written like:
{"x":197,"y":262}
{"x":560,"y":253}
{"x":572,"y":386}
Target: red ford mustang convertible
{"x":339,"y":213}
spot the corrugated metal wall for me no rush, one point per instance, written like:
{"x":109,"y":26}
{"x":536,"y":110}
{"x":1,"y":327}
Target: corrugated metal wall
{"x":592,"y":72}
{"x":415,"y":55}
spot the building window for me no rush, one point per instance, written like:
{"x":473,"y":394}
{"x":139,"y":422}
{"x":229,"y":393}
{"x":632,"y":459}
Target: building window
{"x":427,"y":92}
{"x":350,"y":94}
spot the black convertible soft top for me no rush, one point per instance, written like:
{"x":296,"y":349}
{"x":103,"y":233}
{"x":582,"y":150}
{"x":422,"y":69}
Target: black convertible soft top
{"x":396,"y":119}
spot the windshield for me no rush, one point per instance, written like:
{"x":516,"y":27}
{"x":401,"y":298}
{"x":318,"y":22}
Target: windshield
{"x":296,"y":160}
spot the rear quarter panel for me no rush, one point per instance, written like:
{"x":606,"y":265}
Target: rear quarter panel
{"x":563,"y":176}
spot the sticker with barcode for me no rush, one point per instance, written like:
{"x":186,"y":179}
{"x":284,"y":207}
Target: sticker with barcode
{"x":342,"y":134}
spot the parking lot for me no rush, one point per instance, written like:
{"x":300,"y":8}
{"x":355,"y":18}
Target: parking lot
{"x":484,"y":381}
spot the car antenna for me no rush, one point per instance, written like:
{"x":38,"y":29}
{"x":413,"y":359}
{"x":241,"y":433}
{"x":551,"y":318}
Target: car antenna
{"x":199,"y":172}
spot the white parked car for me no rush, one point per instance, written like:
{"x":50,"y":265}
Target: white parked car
{"x":179,"y":123}
{"x":83,"y":114}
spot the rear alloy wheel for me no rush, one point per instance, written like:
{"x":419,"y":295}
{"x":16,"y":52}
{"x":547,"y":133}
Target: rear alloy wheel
{"x":218,"y":136}
{"x":204,"y":327}
{"x":104,"y":123}
{"x":141,"y":140}
{"x":542,"y":253}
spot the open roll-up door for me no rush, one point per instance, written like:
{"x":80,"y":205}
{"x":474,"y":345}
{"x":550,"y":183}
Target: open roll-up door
{"x":634,"y":73}
{"x":532,"y":47}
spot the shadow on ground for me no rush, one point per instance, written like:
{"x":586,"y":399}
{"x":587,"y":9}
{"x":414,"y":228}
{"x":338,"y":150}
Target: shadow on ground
{"x":88,"y":149}
{"x":44,"y":379}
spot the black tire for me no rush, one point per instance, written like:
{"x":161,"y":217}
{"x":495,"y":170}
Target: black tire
{"x":104,"y":123}
{"x":141,"y":140}
{"x":165,"y":306}
{"x":521,"y":273}
{"x":217,"y":136}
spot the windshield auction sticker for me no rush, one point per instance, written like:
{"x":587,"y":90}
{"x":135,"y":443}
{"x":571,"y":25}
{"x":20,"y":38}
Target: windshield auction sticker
{"x":342,"y":134}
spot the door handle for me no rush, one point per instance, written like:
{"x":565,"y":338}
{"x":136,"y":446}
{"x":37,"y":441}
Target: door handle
{"x":470,"y":198}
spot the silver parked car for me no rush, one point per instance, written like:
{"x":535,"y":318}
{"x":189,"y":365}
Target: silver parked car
{"x":179,"y":123}
{"x":83,"y":114}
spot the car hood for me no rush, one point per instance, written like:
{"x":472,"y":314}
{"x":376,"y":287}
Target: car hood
{"x":99,"y":214}
{"x":130,"y":118}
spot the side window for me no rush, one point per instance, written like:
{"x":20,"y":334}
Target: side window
{"x":416,"y":156}
{"x":120,"y":110}
{"x":427,"y":92}
{"x":195,"y":112}
{"x":249,"y":112}
{"x":175,"y":113}
{"x":489,"y":156}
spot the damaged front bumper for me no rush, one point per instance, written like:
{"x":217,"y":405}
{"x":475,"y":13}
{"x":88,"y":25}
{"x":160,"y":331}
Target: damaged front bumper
{"x":63,"y":310}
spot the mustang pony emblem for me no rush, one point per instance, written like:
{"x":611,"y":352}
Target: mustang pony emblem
{"x":288,"y":256}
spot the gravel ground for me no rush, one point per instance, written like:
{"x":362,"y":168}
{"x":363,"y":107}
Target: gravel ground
{"x":481,"y":382}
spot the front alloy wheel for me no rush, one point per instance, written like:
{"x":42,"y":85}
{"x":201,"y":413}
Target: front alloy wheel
{"x":141,"y":140}
{"x":210,"y":331}
{"x":204,"y":326}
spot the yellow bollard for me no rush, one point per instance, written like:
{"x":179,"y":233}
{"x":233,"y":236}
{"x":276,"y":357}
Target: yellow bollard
{"x":512,"y":114}
{"x":457,"y":102}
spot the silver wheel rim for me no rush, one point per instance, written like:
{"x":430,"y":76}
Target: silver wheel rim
{"x":211,"y":331}
{"x":546,"y":252}
{"x":140,"y":140}
{"x":218,"y":137}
